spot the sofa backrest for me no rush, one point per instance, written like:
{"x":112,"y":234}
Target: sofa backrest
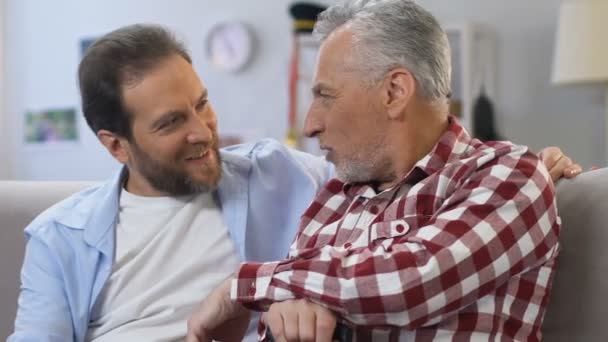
{"x":578,"y":306}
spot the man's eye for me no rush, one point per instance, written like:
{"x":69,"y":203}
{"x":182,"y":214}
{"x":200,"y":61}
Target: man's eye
{"x":201,"y":105}
{"x":170,"y":123}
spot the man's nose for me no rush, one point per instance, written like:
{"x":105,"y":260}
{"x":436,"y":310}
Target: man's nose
{"x":201,"y":131}
{"x":312,"y":125}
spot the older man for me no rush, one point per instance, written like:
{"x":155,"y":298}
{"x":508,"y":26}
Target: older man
{"x":427,"y":234}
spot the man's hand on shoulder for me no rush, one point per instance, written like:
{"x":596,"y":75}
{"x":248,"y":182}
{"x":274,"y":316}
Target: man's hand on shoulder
{"x":558,"y":164}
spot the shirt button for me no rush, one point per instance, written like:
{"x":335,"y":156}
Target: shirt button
{"x":374,"y":209}
{"x":347,"y":245}
{"x":400,"y":228}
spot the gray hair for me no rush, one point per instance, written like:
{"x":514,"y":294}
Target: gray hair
{"x":393,"y":33}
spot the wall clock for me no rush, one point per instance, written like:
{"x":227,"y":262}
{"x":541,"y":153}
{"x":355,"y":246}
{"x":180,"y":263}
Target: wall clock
{"x":230,"y":46}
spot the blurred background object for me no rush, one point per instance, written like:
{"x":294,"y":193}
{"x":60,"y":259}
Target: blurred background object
{"x":304,"y":15}
{"x":581,"y":49}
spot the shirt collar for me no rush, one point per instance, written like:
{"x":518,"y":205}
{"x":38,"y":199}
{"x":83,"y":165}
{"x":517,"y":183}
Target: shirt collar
{"x":451,"y":145}
{"x":97,"y":212}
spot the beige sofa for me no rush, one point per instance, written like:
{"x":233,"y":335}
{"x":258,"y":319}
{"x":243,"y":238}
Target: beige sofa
{"x":578,"y":306}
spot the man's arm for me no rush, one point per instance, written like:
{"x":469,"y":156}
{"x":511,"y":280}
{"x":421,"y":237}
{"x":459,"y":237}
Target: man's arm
{"x":219,"y":318}
{"x":43,"y":313}
{"x":500,"y":223}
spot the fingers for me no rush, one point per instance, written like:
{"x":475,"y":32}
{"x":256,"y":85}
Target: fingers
{"x":300,"y":320}
{"x":195,"y":332}
{"x":218,"y":317}
{"x":558,"y":164}
{"x":573,"y":171}
{"x":199,"y":322}
{"x":565,"y":168}
{"x":291,"y":325}
{"x":550,"y":156}
{"x":191,"y":338}
{"x":274,"y":321}
{"x":306,"y":323}
{"x":325,"y":324}
{"x":557,"y":171}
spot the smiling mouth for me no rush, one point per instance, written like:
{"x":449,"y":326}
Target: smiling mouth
{"x":201,"y":155}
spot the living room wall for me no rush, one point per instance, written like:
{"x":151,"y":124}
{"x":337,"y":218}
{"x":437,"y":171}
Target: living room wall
{"x":42,"y":53}
{"x":4,"y":157}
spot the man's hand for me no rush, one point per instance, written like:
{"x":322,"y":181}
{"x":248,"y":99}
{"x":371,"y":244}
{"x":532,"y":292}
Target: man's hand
{"x":299,"y":320}
{"x":218,"y":318}
{"x":558,"y":164}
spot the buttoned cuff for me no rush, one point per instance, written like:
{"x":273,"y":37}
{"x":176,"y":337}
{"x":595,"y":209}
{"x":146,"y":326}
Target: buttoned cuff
{"x":252,"y":283}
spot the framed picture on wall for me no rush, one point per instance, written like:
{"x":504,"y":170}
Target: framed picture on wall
{"x":51,"y":126}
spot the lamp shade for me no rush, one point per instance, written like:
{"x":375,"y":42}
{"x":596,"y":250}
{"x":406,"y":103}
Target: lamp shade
{"x":581,"y":50}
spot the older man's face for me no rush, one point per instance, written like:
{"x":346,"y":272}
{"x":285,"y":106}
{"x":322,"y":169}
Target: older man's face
{"x":346,"y":114}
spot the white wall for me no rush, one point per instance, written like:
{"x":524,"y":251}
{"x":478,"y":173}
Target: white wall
{"x":4,"y":156}
{"x":42,"y":54}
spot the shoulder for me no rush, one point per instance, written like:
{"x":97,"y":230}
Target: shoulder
{"x":269,"y":157}
{"x":500,"y":154}
{"x":502,"y":165}
{"x":75,"y":208}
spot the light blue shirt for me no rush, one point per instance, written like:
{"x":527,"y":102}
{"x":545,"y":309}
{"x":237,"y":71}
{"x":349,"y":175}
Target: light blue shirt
{"x":265,"y":188}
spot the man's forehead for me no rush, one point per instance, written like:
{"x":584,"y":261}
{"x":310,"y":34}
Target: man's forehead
{"x":153,"y":100}
{"x":340,"y":39}
{"x":334,"y":51}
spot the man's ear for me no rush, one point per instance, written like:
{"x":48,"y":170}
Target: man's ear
{"x":399,"y":89}
{"x":117,"y":146}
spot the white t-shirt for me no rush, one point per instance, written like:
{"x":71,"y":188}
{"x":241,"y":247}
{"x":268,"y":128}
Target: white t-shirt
{"x":170,"y":253}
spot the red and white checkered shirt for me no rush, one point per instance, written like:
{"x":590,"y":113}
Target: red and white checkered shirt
{"x":462,"y":249}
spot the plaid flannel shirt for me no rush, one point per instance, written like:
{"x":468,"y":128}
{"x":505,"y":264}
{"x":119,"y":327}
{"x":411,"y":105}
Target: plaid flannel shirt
{"x":463,"y":248}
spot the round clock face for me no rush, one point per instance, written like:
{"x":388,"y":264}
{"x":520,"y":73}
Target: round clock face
{"x":229,"y":46}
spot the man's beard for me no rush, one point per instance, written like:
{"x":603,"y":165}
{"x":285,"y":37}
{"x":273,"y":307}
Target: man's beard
{"x":166,"y":178}
{"x":366,"y":164}
{"x":362,"y":169}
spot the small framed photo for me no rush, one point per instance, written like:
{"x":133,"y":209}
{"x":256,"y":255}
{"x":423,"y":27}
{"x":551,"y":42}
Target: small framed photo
{"x":51,"y":126}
